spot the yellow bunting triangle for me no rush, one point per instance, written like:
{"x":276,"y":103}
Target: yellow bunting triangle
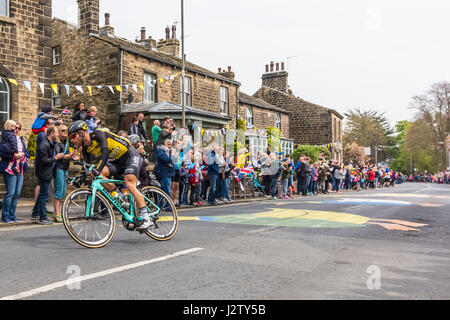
{"x":141,"y":85}
{"x":161,"y":80}
{"x":55,"y":88}
{"x":90,"y":90}
{"x":119,"y":88}
{"x":14,"y":82}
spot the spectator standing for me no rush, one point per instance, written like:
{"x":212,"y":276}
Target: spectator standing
{"x":305,"y":175}
{"x":61,"y":171}
{"x":213,"y":174}
{"x":133,"y":129}
{"x":142,"y":133}
{"x":225,"y":179}
{"x":155,"y":131}
{"x":80,"y":112}
{"x":45,"y":162}
{"x":164,"y":170}
{"x":13,"y":183}
{"x":285,"y":177}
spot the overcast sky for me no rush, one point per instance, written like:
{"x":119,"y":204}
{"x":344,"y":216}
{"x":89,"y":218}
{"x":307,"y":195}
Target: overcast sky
{"x":372,"y":54}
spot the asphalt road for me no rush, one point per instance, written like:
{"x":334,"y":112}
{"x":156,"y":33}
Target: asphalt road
{"x":385,"y":244}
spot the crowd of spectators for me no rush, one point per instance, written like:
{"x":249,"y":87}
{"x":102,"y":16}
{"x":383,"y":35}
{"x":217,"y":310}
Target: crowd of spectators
{"x":191,"y":174}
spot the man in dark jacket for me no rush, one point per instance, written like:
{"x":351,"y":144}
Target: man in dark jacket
{"x":142,"y":132}
{"x":164,"y":169}
{"x":46,"y":158}
{"x":305,"y":174}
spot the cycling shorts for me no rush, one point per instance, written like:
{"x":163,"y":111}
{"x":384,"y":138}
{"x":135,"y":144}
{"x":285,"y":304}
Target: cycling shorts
{"x":130,"y":163}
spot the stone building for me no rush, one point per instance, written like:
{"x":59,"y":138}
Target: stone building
{"x":259,"y":116}
{"x":94,"y":56}
{"x":25,"y":55}
{"x":309,"y":123}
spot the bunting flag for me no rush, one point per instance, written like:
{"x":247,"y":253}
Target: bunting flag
{"x":111,"y":88}
{"x":99,"y":87}
{"x":150,"y":84}
{"x":127,"y":87}
{"x":135,"y":88}
{"x":67,"y":89}
{"x":141,"y":85}
{"x":1,"y":80}
{"x":27,"y":84}
{"x":14,"y":82}
{"x":79,"y":88}
{"x":119,"y":88}
{"x":161,"y":80}
{"x":42,"y":86}
{"x":90,"y":90}
{"x":55,"y":88}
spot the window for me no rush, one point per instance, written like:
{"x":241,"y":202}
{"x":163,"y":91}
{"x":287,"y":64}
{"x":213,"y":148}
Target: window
{"x":4,"y":8}
{"x":4,"y":102}
{"x":249,"y":118}
{"x":224,"y":100}
{"x":56,"y":55}
{"x":278,"y":121}
{"x":187,"y":91}
{"x":56,"y":98}
{"x":149,"y":87}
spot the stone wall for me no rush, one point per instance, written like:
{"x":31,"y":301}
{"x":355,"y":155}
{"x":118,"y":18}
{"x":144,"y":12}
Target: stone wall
{"x":264,"y":118}
{"x":205,"y":91}
{"x":26,"y":54}
{"x":87,"y":61}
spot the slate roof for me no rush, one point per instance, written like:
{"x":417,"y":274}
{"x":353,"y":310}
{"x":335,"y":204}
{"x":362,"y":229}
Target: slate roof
{"x":247,"y":99}
{"x":162,"y":57}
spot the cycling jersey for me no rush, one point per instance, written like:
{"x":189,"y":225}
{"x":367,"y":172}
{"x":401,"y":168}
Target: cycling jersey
{"x":108,"y":146}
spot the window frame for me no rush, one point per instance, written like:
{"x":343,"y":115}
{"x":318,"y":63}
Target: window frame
{"x":224,"y":100}
{"x":249,"y":116}
{"x":55,"y":63}
{"x":153,"y":90}
{"x":278,"y":121}
{"x":8,"y":100}
{"x":187,"y":93}
{"x":57,"y":96}
{"x":7,"y":9}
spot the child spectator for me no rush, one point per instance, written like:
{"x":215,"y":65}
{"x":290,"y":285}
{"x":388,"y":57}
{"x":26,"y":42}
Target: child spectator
{"x":184,"y":184}
{"x":91,"y":122}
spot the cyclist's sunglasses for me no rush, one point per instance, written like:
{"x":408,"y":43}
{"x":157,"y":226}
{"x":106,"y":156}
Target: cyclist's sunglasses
{"x":73,"y":135}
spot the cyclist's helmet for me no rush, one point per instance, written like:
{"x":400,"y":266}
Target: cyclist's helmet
{"x":77,"y":126}
{"x":134,"y":138}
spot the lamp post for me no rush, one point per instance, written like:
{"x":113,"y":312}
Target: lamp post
{"x":183,"y":102}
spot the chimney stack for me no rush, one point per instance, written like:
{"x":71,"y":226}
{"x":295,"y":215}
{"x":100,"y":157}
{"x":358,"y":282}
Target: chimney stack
{"x":143,"y":36}
{"x":228,"y":74}
{"x":88,"y":18}
{"x":170,"y":45}
{"x":146,"y":42}
{"x":107,"y":29}
{"x":277,"y":79}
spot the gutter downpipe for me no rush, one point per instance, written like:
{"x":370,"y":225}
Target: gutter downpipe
{"x":120,"y":80}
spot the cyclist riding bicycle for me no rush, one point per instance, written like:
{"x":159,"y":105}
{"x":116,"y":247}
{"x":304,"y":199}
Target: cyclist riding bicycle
{"x":127,"y":160}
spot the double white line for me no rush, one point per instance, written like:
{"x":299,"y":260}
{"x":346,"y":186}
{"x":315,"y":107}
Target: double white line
{"x":64,"y":283}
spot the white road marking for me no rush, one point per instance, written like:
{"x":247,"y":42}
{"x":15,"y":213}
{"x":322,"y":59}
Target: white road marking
{"x":64,"y":283}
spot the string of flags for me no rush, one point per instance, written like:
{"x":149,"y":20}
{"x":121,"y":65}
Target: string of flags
{"x":89,"y":88}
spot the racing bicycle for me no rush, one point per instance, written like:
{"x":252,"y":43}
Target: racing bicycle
{"x":89,"y":217}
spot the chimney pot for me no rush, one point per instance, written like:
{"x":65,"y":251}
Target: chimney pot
{"x":278,"y":66}
{"x":174,"y":31}
{"x":229,"y":68}
{"x":267,"y":68}
{"x":282,"y":66}
{"x":142,"y":33}
{"x":271,"y":66}
{"x":220,"y":70}
{"x":107,"y":16}
{"x":167,"y":33}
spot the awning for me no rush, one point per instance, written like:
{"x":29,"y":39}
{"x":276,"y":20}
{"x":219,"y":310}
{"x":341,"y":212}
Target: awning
{"x":161,"y":109}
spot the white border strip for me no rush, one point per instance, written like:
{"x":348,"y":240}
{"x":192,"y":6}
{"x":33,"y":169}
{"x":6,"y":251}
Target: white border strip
{"x":64,"y":283}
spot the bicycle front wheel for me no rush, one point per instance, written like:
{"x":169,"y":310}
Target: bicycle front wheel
{"x":166,"y":220}
{"x":93,"y":232}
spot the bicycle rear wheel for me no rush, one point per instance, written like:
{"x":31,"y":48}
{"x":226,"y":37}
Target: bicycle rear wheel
{"x":95,"y":232}
{"x":166,"y":221}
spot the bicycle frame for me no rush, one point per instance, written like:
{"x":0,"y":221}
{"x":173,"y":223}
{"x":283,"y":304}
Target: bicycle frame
{"x":129,"y":216}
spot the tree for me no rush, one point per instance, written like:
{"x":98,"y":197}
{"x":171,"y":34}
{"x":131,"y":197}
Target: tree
{"x":354,"y":153}
{"x":314,"y":152}
{"x":433,"y":108}
{"x":368,"y":129}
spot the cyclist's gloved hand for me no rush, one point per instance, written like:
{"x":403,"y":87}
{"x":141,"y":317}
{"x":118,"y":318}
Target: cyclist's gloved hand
{"x":95,"y":172}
